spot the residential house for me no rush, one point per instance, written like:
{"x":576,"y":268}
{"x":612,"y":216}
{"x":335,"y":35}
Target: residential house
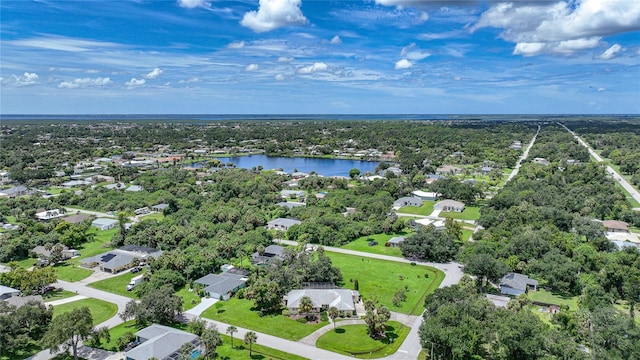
{"x":20,"y":301}
{"x":77,"y":218}
{"x":516,"y":284}
{"x":76,"y":183}
{"x":498,"y":301}
{"x":104,"y":178}
{"x":615,"y":226}
{"x":287,"y":194}
{"x":142,"y":211}
{"x":282,"y":224}
{"x":162,"y":343}
{"x":104,"y":223}
{"x":290,"y":205}
{"x":448,"y":170}
{"x":437,"y":224}
{"x":118,"y":260}
{"x":7,"y":292}
{"x":159,"y":207}
{"x":394,"y":170}
{"x":424,"y":195}
{"x":621,"y":245}
{"x":516,"y":145}
{"x":50,"y":214}
{"x":270,"y":252}
{"x":4,"y":177}
{"x":14,"y":191}
{"x":43,"y":253}
{"x":115,"y":186}
{"x":449,"y":205}
{"x":395,"y":241}
{"x":222,"y":286}
{"x":541,"y":161}
{"x":134,"y":188}
{"x":343,"y":299}
{"x":407,"y":201}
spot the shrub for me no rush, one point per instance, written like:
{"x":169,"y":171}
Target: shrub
{"x":125,"y":340}
{"x":324,"y":316}
{"x":302,"y":320}
{"x":285,"y":312}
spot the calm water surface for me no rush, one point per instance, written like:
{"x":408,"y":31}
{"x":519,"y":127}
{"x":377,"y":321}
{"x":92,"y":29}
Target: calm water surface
{"x":325,"y":167}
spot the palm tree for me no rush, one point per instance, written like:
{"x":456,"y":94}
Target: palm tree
{"x":211,"y":340}
{"x":306,"y":305}
{"x":230,"y":330}
{"x":333,"y":314}
{"x":250,"y":338}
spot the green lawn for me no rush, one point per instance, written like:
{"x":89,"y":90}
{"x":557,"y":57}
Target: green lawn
{"x":100,"y":309}
{"x":26,"y":263}
{"x":469,"y":213}
{"x":99,"y":244}
{"x":239,"y":312}
{"x":548,"y":297}
{"x":152,"y":216}
{"x":362,"y":244}
{"x":117,"y":284}
{"x":71,"y":273}
{"x":224,"y":351}
{"x":57,"y":294}
{"x":380,"y":279}
{"x":353,"y":340}
{"x":189,"y":299}
{"x":425,"y":209}
{"x":466,"y":234}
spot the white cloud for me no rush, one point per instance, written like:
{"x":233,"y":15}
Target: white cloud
{"x":236,"y":45}
{"x":336,"y":40}
{"x":154,"y":73}
{"x":563,"y":27}
{"x":273,"y":14}
{"x":423,"y":17}
{"x":285,"y":59}
{"x":190,"y":4}
{"x":190,"y":80}
{"x":135,"y":83}
{"x":63,"y":44}
{"x":252,"y":67}
{"x":26,"y":79}
{"x":457,"y":78}
{"x":279,"y":77}
{"x":403,"y":64}
{"x":319,"y":66}
{"x":610,"y":53}
{"x":601,"y":89}
{"x":411,"y":52}
{"x":84,"y":82}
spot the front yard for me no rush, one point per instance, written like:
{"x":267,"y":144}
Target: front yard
{"x":379,"y":280}
{"x":239,"y":312}
{"x":469,"y":213}
{"x":362,"y":244}
{"x":353,"y":340}
{"x":117,"y":284}
{"x":100,"y":309}
{"x":426,"y":209}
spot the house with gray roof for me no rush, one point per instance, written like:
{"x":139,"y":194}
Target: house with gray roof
{"x":282,"y":224}
{"x":117,"y":260}
{"x":7,"y":292}
{"x":343,"y":299}
{"x":449,"y":205}
{"x":222,"y":286}
{"x":14,"y":191}
{"x":407,"y":201}
{"x":395,"y":241}
{"x":270,"y":252}
{"x":104,"y":223}
{"x":290,"y":205}
{"x":286,"y":194}
{"x":162,"y":343}
{"x":448,"y":170}
{"x":160,"y":207}
{"x":43,"y":253}
{"x":516,"y":284}
{"x":77,"y":218}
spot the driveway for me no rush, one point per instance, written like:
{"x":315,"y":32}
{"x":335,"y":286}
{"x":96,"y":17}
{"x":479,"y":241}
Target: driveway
{"x":205,"y":303}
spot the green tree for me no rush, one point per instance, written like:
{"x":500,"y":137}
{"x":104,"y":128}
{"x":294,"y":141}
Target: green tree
{"x":211,"y":339}
{"x":306,"y":305}
{"x":68,"y":329}
{"x":353,"y":173}
{"x":250,"y":338}
{"x":333,"y":314}
{"x":231,"y":330}
{"x":161,"y":306}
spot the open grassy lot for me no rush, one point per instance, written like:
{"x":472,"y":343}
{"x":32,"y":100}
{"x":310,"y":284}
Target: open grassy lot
{"x":380,"y":279}
{"x":425,"y":209}
{"x":99,"y":244}
{"x":239,"y":312}
{"x":57,"y":294}
{"x":26,"y":263}
{"x":362,"y":244}
{"x":100,"y":309}
{"x":117,"y":284}
{"x":469,"y":213}
{"x":548,"y":297}
{"x":240,"y":350}
{"x":152,"y":216}
{"x":71,"y":273}
{"x":353,"y":340}
{"x":189,"y":299}
{"x":466,"y":234}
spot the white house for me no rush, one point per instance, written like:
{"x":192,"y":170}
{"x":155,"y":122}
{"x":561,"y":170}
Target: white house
{"x":449,"y":205}
{"x":104,"y":223}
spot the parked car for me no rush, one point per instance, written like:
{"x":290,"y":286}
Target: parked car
{"x":373,"y":243}
{"x":47,"y":288}
{"x":135,"y":269}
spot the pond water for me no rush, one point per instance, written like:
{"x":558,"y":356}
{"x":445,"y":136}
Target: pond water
{"x":324,"y":167}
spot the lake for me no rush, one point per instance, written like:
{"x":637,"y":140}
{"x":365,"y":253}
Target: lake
{"x":324,"y":167}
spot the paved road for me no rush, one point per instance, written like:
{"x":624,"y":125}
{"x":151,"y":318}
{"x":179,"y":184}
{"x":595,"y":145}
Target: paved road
{"x":524,"y":156}
{"x":89,"y":212}
{"x":622,"y":181}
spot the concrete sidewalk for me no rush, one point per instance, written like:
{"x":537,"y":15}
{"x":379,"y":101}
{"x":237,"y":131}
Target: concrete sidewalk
{"x":64,"y":301}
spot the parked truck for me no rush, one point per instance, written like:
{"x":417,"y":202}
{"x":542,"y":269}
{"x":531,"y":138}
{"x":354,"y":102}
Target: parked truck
{"x":135,"y":281}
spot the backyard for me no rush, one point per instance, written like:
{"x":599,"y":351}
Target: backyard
{"x":362,"y":244}
{"x":426,"y":209}
{"x":239,"y":312}
{"x":469,"y":213}
{"x":379,"y":280}
{"x":353,"y":340}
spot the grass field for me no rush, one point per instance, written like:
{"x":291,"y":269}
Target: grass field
{"x":380,"y":279}
{"x":189,"y":299}
{"x":466,"y":234}
{"x":362,"y":244}
{"x":238,"y":312}
{"x":152,"y":216}
{"x":117,"y":284}
{"x":100,"y":309}
{"x":548,"y":297}
{"x":425,"y":209}
{"x":71,"y":273}
{"x":353,"y":340}
{"x":469,"y":213}
{"x":240,"y":350}
{"x":57,"y":294}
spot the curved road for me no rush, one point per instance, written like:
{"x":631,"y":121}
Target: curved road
{"x":622,"y":181}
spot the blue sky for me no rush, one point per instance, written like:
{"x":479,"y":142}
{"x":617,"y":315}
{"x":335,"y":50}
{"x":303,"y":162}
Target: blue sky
{"x":301,"y":56}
